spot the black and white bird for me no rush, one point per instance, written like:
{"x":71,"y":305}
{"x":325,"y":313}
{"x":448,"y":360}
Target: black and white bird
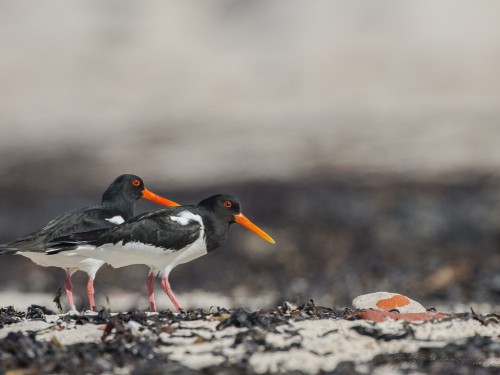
{"x":162,"y":239}
{"x":117,"y":206}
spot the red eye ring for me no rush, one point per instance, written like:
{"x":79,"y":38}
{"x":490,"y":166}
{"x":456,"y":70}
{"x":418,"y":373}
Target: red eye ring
{"x":136,"y":182}
{"x":228,"y":204}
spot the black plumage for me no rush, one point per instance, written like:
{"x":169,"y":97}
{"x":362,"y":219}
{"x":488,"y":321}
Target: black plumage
{"x":117,"y":205}
{"x":163,"y":238}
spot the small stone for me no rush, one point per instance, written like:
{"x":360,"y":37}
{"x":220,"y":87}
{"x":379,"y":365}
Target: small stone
{"x":387,"y":301}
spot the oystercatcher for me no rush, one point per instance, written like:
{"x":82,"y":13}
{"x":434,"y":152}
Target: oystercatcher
{"x":162,"y":239}
{"x":117,"y":206}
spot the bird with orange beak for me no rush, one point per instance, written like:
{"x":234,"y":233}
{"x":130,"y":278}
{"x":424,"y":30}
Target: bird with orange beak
{"x":117,"y":206}
{"x":162,"y":239}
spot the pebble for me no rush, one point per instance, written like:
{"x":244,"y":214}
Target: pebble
{"x":387,"y":301}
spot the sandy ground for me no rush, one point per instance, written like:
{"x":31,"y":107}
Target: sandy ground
{"x":121,"y":300}
{"x":285,"y":339}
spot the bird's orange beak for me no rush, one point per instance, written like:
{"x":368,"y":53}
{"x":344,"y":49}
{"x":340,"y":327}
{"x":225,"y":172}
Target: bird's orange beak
{"x":242,"y":220}
{"x":146,"y":194}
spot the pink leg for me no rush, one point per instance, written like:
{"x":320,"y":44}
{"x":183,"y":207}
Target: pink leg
{"x":90,"y":293}
{"x":166,"y":287}
{"x":69,"y":289}
{"x":151,"y":292}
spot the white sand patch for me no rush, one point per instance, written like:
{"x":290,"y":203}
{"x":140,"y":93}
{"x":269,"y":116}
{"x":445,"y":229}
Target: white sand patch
{"x":55,"y":329}
{"x":21,"y":301}
{"x":118,"y":300}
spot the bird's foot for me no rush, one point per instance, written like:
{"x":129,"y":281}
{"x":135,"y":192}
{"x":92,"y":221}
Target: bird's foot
{"x":182,"y":313}
{"x":72,"y":311}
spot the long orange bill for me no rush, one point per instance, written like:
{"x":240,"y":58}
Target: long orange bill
{"x":146,"y":194}
{"x":242,"y":220}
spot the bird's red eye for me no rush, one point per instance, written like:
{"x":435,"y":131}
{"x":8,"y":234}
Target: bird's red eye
{"x":136,"y":182}
{"x":228,"y":204}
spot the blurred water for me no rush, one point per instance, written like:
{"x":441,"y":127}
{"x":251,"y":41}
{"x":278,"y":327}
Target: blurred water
{"x":230,"y":90}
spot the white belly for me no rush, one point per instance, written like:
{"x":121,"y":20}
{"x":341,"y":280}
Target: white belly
{"x":65,"y":260}
{"x":160,"y":260}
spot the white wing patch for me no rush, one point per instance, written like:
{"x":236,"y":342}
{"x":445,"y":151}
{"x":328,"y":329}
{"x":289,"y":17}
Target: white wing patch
{"x":185,"y":217}
{"x":116,"y":219}
{"x":180,"y":220}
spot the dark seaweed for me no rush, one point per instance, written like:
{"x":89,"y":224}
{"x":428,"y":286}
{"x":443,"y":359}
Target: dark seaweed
{"x":8,"y":315}
{"x":377,"y":334}
{"x":120,"y":346}
{"x":36,"y":312}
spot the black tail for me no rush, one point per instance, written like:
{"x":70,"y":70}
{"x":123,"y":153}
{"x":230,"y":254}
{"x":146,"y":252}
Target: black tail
{"x":57,"y":247}
{"x":64,"y":243}
{"x":71,"y":242}
{"x":7,"y":250}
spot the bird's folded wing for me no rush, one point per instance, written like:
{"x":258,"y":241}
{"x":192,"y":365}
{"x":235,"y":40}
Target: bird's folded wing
{"x":156,"y":228}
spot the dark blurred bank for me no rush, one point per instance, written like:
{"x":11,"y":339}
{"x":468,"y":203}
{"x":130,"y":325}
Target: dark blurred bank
{"x":337,"y":236}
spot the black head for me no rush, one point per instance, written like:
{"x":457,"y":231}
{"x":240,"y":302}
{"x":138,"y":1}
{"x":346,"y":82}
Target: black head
{"x":227,"y":208}
{"x":126,"y":186}
{"x":223,"y":206}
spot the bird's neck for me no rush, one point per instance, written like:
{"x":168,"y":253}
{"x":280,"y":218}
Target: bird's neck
{"x":215,"y":232}
{"x":122,"y":207}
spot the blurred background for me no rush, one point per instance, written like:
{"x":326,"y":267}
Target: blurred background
{"x":363,"y":136}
